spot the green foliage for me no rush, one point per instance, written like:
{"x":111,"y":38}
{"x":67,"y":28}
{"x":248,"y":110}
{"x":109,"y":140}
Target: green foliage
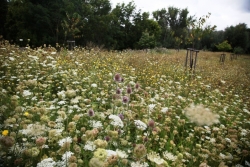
{"x":3,"y":13}
{"x":146,"y":41}
{"x":224,"y":46}
{"x":37,"y":21}
{"x":238,"y":36}
{"x":238,"y":50}
{"x":173,"y":22}
{"x":197,"y":31}
{"x":94,"y":21}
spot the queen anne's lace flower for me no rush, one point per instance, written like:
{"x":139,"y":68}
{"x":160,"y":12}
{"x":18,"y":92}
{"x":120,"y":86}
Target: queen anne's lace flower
{"x":89,"y":146}
{"x":67,"y":155}
{"x":121,"y":154}
{"x":201,"y":115}
{"x":65,"y":159}
{"x":140,"y":125}
{"x":34,"y":130}
{"x":47,"y":163}
{"x":164,"y":110}
{"x":169,"y":156}
{"x":151,"y":106}
{"x":138,"y":164}
{"x":111,"y":153}
{"x":62,"y":141}
{"x":94,"y":85}
{"x":26,"y":93}
{"x":95,"y":124}
{"x":116,"y":121}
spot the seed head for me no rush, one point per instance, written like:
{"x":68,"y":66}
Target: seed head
{"x":129,"y":90}
{"x":91,"y":112}
{"x":117,"y":77}
{"x":151,"y":123}
{"x":118,"y":91}
{"x":125,"y":99}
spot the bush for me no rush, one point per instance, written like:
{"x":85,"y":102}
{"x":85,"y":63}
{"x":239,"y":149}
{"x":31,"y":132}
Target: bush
{"x":238,"y":50}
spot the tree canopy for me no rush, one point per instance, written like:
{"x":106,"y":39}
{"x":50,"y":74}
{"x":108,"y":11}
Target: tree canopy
{"x":118,"y":28}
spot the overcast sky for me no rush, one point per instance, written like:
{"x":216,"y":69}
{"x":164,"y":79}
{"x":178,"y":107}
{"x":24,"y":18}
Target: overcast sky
{"x":224,"y":13}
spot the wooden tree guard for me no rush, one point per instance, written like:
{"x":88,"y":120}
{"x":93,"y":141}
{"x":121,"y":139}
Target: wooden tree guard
{"x":222,"y":58}
{"x":71,"y":44}
{"x":192,"y":56}
{"x":233,"y":56}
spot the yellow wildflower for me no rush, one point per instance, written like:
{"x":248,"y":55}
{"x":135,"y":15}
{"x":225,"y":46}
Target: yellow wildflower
{"x":26,"y":114}
{"x":5,"y":132}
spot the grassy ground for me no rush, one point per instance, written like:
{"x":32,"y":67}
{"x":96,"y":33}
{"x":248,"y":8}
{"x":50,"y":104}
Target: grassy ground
{"x":131,"y":108}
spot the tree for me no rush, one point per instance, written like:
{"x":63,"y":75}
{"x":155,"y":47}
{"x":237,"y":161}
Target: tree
{"x":16,"y":20}
{"x":197,"y":31}
{"x":122,"y":25}
{"x":224,"y":46}
{"x":173,"y":22}
{"x":143,"y":24}
{"x":238,"y":36}
{"x":34,"y":20}
{"x":146,"y":41}
{"x":96,"y":19}
{"x":3,"y":14}
{"x":209,"y":40}
{"x":161,"y":17}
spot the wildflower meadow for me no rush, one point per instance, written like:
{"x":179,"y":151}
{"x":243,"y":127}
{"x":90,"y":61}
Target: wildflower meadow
{"x":93,"y":108}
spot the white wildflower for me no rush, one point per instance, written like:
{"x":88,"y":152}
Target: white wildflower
{"x":246,"y":111}
{"x":61,"y":94}
{"x":111,"y":153}
{"x":95,"y":124}
{"x":75,"y":100}
{"x":12,"y":58}
{"x":89,"y":146}
{"x":17,"y":149}
{"x":169,"y":156}
{"x":222,"y":81}
{"x":26,"y":93}
{"x":140,"y":125}
{"x":164,"y":110}
{"x":222,"y":156}
{"x":93,"y":85}
{"x":34,"y":130}
{"x":243,"y":132}
{"x":33,"y":57}
{"x":155,"y":157}
{"x":62,"y":102}
{"x":228,"y":140}
{"x":62,"y":141}
{"x":201,"y":115}
{"x":151,"y":106}
{"x":116,"y":120}
{"x":212,"y":140}
{"x":67,"y":155}
{"x":121,"y":154}
{"x":159,"y":160}
{"x":48,"y":162}
{"x":138,"y":164}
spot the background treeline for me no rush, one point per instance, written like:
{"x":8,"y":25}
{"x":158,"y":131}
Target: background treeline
{"x":96,"y":23}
